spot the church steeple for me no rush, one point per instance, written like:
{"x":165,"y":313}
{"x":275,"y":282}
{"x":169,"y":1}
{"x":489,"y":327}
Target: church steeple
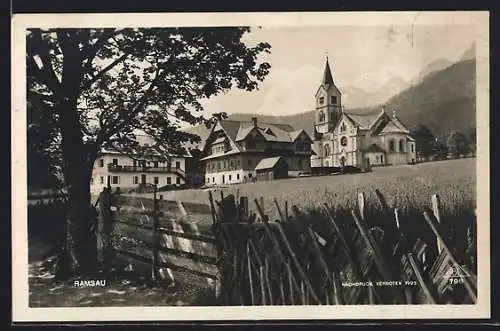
{"x":327,"y":75}
{"x":328,"y":102}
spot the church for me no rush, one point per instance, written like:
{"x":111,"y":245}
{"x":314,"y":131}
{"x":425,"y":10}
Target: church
{"x":343,"y":138}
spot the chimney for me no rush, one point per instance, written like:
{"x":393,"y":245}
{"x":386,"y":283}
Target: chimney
{"x":254,"y":120}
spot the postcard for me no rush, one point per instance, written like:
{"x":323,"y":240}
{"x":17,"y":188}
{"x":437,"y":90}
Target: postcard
{"x":250,"y":166}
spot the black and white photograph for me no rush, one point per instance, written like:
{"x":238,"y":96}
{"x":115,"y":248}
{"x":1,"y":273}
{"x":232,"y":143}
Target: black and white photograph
{"x":250,"y":166}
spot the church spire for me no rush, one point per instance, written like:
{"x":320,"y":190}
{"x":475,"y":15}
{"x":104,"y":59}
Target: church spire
{"x":327,"y":75}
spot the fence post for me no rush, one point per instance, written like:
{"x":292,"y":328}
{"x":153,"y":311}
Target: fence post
{"x":103,"y":224}
{"x":154,"y":271}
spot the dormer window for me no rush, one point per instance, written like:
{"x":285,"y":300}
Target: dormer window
{"x":321,"y":100}
{"x":270,"y":132}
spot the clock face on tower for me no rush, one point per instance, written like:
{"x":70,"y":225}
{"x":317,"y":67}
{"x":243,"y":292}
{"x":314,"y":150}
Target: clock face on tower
{"x":343,"y":141}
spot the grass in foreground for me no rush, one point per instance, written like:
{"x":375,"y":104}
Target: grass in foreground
{"x":121,"y":289}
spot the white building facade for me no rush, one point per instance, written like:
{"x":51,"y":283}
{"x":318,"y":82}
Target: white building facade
{"x":125,"y":172}
{"x":360,"y":140}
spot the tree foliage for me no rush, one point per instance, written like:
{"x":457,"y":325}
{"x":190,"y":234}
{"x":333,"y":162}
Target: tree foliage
{"x":458,"y":144}
{"x":424,"y":140}
{"x":129,"y":79}
{"x":94,"y":88}
{"x":471,"y":137}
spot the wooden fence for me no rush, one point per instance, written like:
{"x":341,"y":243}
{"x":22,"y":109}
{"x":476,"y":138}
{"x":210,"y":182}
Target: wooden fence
{"x":169,"y":240}
{"x":317,"y":259}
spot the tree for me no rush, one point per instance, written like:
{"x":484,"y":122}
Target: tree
{"x":440,"y":149}
{"x":471,"y":137}
{"x":97,"y":87}
{"x":457,"y":144}
{"x":424,"y":141}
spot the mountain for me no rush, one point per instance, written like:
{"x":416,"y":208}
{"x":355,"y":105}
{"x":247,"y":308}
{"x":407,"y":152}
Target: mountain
{"x":354,"y":97}
{"x":432,"y":67}
{"x":444,"y":100}
{"x":470,"y":53}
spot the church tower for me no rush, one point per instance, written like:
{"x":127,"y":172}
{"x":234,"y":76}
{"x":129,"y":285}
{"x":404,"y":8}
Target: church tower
{"x":328,"y":103}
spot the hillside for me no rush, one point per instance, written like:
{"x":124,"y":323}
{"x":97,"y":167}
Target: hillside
{"x":444,"y":100}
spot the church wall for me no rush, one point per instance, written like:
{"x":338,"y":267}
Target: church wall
{"x":411,"y":155}
{"x":396,"y":158}
{"x":376,"y":159}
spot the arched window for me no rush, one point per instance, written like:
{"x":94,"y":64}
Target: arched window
{"x":391,"y":145}
{"x":327,"y":150}
{"x":401,"y":145}
{"x":321,"y":117}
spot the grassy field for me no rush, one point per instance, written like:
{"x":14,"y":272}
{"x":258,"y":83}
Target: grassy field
{"x":405,"y":187}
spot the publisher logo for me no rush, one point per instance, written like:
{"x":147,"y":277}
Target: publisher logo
{"x":456,"y":275}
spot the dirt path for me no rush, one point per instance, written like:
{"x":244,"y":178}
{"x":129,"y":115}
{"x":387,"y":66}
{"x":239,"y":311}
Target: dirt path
{"x":122,"y":290}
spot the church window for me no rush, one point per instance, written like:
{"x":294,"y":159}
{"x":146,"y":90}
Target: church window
{"x":343,"y":128}
{"x":391,"y":145}
{"x":327,"y":150}
{"x":411,"y":148}
{"x":401,"y":145}
{"x":333,"y":99}
{"x":321,"y":100}
{"x":321,"y":117}
{"x":343,"y":141}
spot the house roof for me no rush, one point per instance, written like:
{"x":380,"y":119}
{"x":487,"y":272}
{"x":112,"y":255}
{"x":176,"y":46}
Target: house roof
{"x":364,"y":121}
{"x":315,"y":150}
{"x":201,"y":131}
{"x":374,"y":148}
{"x":394,"y":127}
{"x":145,"y":140}
{"x":239,"y":130}
{"x":268,"y":163}
{"x":400,"y":124}
{"x":219,"y":154}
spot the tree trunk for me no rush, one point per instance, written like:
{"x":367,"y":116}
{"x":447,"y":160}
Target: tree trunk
{"x":79,"y":256}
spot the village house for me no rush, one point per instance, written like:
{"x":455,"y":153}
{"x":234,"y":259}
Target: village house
{"x":234,"y":149}
{"x":344,"y":138}
{"x":125,"y":172}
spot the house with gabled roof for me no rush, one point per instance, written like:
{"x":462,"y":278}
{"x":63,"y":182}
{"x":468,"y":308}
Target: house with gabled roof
{"x":125,"y":171}
{"x":234,"y":149}
{"x":358,"y":139}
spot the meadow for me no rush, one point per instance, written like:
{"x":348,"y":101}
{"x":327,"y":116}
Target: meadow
{"x":406,"y":187}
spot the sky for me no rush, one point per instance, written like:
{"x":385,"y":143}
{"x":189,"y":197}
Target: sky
{"x":362,"y":56}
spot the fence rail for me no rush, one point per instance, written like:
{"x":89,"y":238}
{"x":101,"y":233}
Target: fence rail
{"x":319,"y":259}
{"x":158,"y":237}
{"x":303,"y":258}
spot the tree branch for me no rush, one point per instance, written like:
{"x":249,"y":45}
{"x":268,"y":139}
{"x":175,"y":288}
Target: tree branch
{"x":47,"y":70}
{"x":91,"y":51}
{"x":101,"y":73}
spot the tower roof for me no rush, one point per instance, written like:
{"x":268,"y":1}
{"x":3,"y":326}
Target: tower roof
{"x":327,"y":75}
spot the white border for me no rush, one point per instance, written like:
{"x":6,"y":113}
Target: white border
{"x":22,"y":313}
